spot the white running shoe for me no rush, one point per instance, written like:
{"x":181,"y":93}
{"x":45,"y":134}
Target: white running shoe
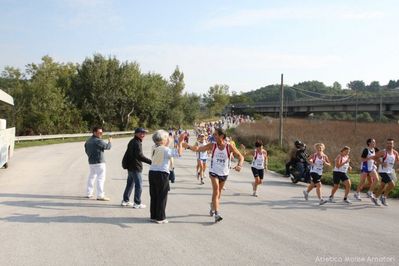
{"x":357,"y":196}
{"x":383,"y":201}
{"x":306,"y":195}
{"x":255,"y":194}
{"x":347,"y":201}
{"x":331,"y":199}
{"x":322,"y":202}
{"x":369,"y":194}
{"x":218,"y":218}
{"x":375,"y":201}
{"x":126,"y":204}
{"x":162,"y":222}
{"x":139,"y":206}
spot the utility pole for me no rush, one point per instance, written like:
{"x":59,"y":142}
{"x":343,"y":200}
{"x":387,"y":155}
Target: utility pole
{"x":380,"y":105}
{"x":356,"y":111}
{"x":280,"y":136}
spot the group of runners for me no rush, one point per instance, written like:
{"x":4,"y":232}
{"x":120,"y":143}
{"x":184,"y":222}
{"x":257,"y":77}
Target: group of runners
{"x":376,"y":166}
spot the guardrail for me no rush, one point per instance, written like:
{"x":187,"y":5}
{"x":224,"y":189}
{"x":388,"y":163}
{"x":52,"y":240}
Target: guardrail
{"x":66,"y":136}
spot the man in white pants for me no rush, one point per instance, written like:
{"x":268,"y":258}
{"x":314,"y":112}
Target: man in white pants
{"x":94,"y":148}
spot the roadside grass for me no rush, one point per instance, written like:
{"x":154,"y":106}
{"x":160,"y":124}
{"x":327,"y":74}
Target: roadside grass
{"x":312,"y":132}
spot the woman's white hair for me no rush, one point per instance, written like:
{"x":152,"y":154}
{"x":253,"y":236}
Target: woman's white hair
{"x":159,"y":136}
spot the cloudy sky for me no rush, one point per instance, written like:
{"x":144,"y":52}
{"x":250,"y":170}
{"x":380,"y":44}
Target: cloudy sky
{"x":244,"y":44}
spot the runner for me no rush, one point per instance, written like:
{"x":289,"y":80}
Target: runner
{"x":387,"y":158}
{"x":201,"y":158}
{"x":368,"y":168}
{"x":259,"y":165}
{"x":340,"y":174}
{"x":220,"y":166}
{"x":317,"y":161}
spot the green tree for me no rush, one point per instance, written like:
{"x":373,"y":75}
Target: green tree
{"x":357,"y":85}
{"x":336,"y":86}
{"x":217,"y":98}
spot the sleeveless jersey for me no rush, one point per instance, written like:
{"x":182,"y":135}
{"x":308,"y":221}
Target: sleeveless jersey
{"x":317,"y":166}
{"x":204,"y":154}
{"x":220,"y":160}
{"x":344,"y":168}
{"x":258,"y":162}
{"x":389,"y":160}
{"x":369,"y":164}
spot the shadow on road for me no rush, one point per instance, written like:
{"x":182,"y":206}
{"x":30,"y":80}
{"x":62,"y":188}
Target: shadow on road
{"x":122,"y":222}
{"x":299,"y":203}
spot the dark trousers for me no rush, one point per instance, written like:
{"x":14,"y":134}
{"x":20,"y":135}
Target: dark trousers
{"x":159,"y":187}
{"x":133,"y":179}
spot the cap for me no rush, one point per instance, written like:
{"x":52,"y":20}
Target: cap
{"x":140,"y":130}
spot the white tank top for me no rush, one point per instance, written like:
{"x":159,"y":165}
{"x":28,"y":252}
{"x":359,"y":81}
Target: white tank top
{"x":258,"y":162}
{"x":204,"y":154}
{"x":344,"y":167}
{"x":369,"y":164}
{"x":220,"y":161}
{"x":317,"y":166}
{"x":389,"y":160}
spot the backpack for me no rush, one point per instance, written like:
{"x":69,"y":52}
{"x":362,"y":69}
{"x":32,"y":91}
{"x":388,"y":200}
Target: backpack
{"x":125,"y":160}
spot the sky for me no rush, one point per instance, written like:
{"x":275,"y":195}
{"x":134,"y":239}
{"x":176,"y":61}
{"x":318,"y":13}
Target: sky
{"x":243,"y":44}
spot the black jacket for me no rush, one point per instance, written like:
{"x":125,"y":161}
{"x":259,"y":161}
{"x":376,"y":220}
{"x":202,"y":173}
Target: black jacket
{"x":135,"y":155}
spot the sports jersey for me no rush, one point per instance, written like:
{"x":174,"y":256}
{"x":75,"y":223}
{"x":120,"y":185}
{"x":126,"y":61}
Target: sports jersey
{"x":220,"y":160}
{"x":343,"y":168}
{"x":317,"y":166}
{"x":258,"y":161}
{"x":389,"y":161}
{"x":368,"y":166}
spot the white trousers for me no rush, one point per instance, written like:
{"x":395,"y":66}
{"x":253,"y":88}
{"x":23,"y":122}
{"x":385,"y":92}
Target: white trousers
{"x":97,"y":171}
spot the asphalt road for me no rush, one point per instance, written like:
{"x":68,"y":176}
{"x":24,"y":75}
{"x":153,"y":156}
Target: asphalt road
{"x":45,"y":220}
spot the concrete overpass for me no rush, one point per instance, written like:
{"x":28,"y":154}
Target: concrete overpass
{"x":389,"y":106}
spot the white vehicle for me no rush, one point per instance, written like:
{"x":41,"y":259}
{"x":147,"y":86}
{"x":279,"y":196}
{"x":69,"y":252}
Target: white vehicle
{"x":7,"y":131}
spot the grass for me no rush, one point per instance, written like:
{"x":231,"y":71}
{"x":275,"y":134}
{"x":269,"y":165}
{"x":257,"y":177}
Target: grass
{"x":334,"y":134}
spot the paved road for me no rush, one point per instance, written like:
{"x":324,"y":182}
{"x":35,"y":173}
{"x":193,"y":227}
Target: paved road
{"x":44,"y":219}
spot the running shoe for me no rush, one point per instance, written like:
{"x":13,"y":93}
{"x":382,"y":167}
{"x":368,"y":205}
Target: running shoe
{"x":383,"y":201}
{"x":375,"y":201}
{"x":306,"y":195}
{"x":126,"y":204}
{"x":211,"y":212}
{"x":369,"y":194}
{"x":202,"y":181}
{"x":347,"y":201}
{"x":357,"y":196}
{"x":322,"y":202}
{"x":218,"y":218}
{"x":103,"y":198}
{"x":139,"y":206}
{"x":331,"y":199}
{"x":255,"y":194}
{"x":162,"y":221}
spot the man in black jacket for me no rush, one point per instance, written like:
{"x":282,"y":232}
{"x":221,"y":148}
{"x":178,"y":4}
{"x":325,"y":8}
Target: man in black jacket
{"x":135,"y":157}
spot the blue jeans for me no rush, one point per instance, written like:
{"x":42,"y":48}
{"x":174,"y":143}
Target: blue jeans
{"x":133,"y":178}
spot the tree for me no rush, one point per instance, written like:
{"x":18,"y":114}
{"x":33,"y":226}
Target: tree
{"x":336,"y":86}
{"x":392,"y":84}
{"x":46,"y":108}
{"x":357,"y":85}
{"x":374,"y":86}
{"x":239,"y":98}
{"x":217,"y":98}
{"x":96,"y":90}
